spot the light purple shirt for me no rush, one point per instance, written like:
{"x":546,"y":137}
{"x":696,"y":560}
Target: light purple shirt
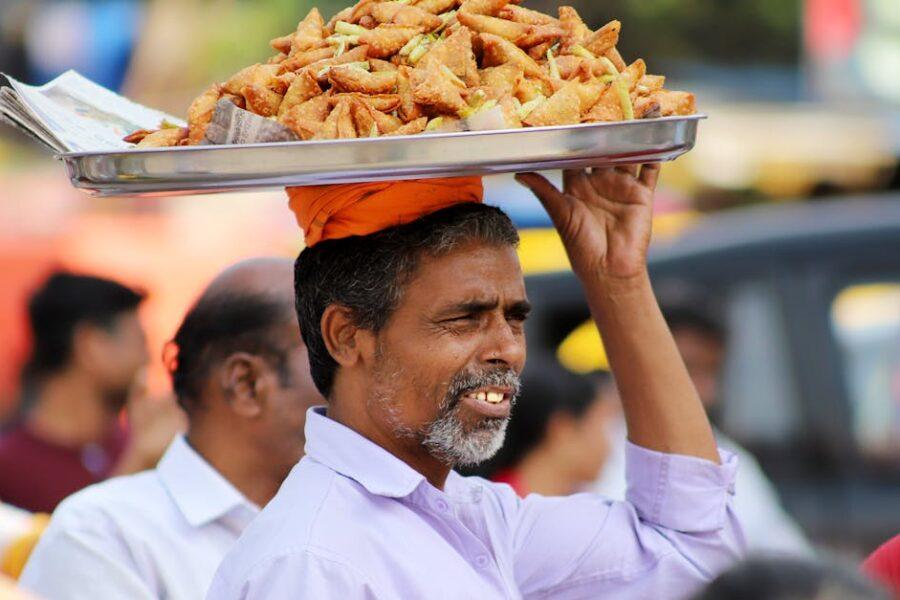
{"x":352,"y":521}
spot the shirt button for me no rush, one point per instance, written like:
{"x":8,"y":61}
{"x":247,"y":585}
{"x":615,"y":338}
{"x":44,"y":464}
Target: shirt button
{"x":442,"y":505}
{"x":481,"y":561}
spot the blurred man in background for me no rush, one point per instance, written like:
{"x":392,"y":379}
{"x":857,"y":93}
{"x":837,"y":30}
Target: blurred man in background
{"x":242,"y":375}
{"x":558,"y":439}
{"x":87,"y":364}
{"x":701,"y":340}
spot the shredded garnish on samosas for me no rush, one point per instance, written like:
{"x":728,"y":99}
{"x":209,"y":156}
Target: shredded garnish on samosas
{"x":400,"y":67}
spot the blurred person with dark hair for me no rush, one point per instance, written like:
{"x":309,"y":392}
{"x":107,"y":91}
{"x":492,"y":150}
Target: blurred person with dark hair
{"x":87,"y":364}
{"x":701,"y":338}
{"x":558,"y":439}
{"x":242,"y":376}
{"x":789,"y":578}
{"x":883,"y":564}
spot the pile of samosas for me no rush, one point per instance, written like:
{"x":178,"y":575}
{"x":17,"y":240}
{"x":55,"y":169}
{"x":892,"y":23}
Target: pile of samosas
{"x":398,"y":67}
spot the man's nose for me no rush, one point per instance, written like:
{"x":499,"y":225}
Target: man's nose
{"x":504,"y":344}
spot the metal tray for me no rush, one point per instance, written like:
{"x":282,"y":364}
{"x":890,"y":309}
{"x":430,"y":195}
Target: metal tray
{"x":205,"y":169}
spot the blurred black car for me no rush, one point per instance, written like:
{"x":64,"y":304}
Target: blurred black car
{"x":811,"y":297}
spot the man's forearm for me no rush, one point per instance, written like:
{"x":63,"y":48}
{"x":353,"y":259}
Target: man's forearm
{"x":661,"y":406}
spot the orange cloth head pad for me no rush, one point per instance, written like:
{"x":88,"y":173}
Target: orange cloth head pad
{"x":332,"y":212}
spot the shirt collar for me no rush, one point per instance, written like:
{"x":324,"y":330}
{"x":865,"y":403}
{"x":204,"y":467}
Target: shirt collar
{"x":346,"y":452}
{"x":199,"y":491}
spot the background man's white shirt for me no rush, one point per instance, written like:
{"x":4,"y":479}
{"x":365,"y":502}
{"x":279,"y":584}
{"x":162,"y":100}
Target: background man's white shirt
{"x":768,"y":528}
{"x":157,"y":534}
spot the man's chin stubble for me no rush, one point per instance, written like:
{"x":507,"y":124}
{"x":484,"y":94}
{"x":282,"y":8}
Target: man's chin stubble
{"x":448,"y":441}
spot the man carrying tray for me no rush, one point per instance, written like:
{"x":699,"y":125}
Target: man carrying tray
{"x":411,"y":302}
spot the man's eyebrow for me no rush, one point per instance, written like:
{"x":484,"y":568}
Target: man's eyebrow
{"x":471,"y":306}
{"x":520,"y":308}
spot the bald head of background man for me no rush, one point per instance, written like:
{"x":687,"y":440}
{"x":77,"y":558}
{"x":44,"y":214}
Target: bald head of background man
{"x":240,"y":371}
{"x":242,"y":375}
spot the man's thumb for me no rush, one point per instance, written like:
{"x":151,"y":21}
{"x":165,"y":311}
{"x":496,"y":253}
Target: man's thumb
{"x":554,"y":201}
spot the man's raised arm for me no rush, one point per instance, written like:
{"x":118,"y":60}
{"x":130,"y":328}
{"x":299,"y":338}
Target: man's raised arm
{"x":604,"y":217}
{"x":676,"y":530}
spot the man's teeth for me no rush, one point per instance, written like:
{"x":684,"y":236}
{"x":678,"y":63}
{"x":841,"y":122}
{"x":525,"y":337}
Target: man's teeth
{"x":492,"y":397}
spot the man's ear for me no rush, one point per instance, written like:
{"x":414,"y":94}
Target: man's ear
{"x":346,"y":342}
{"x":244,"y":382}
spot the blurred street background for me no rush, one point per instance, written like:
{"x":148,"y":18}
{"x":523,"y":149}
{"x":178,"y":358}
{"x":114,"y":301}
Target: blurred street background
{"x":783,"y":222}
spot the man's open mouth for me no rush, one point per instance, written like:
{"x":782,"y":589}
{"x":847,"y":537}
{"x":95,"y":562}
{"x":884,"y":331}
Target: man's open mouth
{"x":493,"y":402}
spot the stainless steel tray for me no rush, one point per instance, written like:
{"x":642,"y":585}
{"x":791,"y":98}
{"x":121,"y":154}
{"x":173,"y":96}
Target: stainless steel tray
{"x":204,"y":169}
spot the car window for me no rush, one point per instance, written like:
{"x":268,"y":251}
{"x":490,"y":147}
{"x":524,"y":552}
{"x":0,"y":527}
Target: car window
{"x":759,"y":397}
{"x":759,"y":402}
{"x":865,"y":319}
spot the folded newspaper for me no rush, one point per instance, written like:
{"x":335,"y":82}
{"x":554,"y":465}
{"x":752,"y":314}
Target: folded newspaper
{"x":74,"y":114}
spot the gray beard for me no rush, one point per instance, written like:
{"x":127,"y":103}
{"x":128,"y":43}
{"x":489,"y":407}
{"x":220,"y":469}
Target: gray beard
{"x":447,"y":438}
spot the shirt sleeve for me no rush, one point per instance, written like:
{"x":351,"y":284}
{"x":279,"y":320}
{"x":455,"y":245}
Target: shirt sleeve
{"x":315,"y":574}
{"x":675,"y":531}
{"x":78,"y":548}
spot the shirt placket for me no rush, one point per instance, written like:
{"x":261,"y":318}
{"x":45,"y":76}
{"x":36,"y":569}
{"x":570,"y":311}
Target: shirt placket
{"x":471,"y":514}
{"x":453,"y":512}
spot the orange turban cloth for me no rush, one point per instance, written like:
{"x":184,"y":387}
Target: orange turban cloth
{"x":332,"y":212}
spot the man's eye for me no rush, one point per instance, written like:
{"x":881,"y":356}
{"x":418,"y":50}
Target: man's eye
{"x":463,"y":318}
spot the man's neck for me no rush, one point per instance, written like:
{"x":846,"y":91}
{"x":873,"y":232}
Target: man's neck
{"x":409,"y":451}
{"x":239,"y":463}
{"x":421,"y":461}
{"x":70,"y":411}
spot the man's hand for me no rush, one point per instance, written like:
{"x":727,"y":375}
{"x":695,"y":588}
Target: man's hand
{"x":604,"y":217}
{"x":153,"y":422}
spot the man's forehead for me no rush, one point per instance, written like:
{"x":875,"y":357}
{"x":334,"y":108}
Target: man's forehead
{"x":128,"y":320}
{"x":471,"y":274}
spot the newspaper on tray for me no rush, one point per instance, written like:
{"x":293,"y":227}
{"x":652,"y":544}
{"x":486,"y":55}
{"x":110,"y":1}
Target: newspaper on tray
{"x":74,"y":114}
{"x":233,"y":125}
